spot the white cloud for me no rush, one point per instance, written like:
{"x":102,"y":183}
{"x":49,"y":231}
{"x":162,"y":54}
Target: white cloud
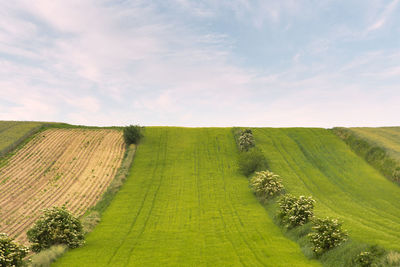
{"x":100,"y":63}
{"x":384,"y":16}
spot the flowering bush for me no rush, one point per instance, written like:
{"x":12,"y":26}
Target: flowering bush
{"x":56,"y":226}
{"x":327,"y":233}
{"x":295,"y":211}
{"x":246,"y":140}
{"x":11,"y":254}
{"x":266,"y":184}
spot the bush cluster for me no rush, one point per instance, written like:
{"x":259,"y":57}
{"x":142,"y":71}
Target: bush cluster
{"x":132,"y":134}
{"x":11,"y":253}
{"x":251,"y":161}
{"x":56,"y":226}
{"x":372,"y":256}
{"x":266,"y":184}
{"x":295,"y":211}
{"x":246,"y":140}
{"x":327,"y":233}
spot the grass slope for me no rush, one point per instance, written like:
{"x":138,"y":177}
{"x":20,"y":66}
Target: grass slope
{"x":185,"y":205}
{"x":387,"y":137}
{"x":316,"y":162}
{"x":13,"y":132}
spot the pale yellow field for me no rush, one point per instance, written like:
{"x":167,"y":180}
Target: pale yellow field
{"x":57,"y":167}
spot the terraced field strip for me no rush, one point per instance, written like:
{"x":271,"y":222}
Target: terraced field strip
{"x":386,"y":137}
{"x":316,"y":162}
{"x":11,"y":132}
{"x":184,"y":204}
{"x":57,"y":167}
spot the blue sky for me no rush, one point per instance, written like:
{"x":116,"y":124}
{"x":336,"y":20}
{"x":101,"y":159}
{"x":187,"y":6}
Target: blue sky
{"x":201,"y":63}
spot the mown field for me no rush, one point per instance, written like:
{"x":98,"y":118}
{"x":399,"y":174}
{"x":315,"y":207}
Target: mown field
{"x":11,"y":132}
{"x":71,"y":167}
{"x":386,"y":137}
{"x":316,"y":162}
{"x":184,"y":204}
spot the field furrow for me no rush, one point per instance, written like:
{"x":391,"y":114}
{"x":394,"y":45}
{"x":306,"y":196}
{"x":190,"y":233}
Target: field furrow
{"x":315,"y":162}
{"x":57,"y":167}
{"x":184,"y":204}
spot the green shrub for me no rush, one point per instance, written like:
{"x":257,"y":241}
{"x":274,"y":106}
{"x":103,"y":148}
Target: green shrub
{"x":56,"y":226}
{"x":132,"y":134}
{"x":327,"y":233}
{"x":295,"y":211}
{"x":266,"y":184}
{"x":370,"y":257}
{"x":246,"y":140}
{"x":11,"y":253}
{"x":251,"y":161}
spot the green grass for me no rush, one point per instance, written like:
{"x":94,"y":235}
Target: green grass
{"x":14,"y":132}
{"x":386,"y":137}
{"x":184,"y":204}
{"x":316,"y":162}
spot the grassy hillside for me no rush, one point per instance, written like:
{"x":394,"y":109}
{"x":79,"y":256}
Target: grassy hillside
{"x":316,"y":162}
{"x":386,"y":137}
{"x":184,"y":204}
{"x":13,"y":132}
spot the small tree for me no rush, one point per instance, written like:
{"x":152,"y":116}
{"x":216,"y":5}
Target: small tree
{"x":266,"y":184}
{"x":132,"y":134}
{"x":327,"y":233}
{"x":11,"y":253}
{"x":56,"y":226}
{"x":295,"y":211}
{"x":246,"y":140}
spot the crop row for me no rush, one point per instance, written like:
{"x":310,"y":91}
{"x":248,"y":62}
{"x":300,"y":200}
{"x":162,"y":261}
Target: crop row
{"x":71,"y":167}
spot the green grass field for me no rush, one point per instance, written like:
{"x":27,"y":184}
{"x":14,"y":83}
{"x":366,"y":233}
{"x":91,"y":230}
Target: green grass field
{"x":184,"y":204}
{"x":316,"y":162}
{"x":11,"y":132}
{"x":386,"y":137}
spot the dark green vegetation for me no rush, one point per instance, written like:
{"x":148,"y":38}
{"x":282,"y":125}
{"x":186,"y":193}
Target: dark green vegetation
{"x":184,"y":204}
{"x":56,"y":226}
{"x":12,"y":133}
{"x":132,"y":134}
{"x":380,"y":147}
{"x":315,"y":162}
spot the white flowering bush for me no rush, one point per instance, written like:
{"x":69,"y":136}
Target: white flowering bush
{"x":246,"y":140}
{"x":295,"y":211}
{"x":55,"y":227}
{"x":266,"y":184}
{"x":327,"y":233}
{"x":11,"y":253}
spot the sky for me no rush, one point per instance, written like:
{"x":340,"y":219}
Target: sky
{"x":201,"y":63}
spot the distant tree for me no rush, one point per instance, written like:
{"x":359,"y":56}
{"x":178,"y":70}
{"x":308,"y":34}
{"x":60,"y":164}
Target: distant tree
{"x":11,"y":253}
{"x":132,"y":134}
{"x":56,"y":226}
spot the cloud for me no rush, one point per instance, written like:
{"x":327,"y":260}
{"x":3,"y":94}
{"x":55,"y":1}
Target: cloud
{"x":385,"y":15}
{"x":116,"y":63}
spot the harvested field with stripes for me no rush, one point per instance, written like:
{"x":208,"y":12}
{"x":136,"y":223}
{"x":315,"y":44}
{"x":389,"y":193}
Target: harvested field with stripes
{"x":57,"y":167}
